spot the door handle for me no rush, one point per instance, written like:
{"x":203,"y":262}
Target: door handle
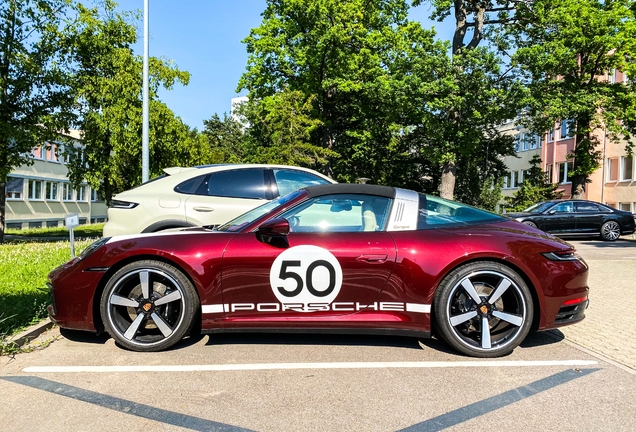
{"x":203,"y":209}
{"x":372,"y":258}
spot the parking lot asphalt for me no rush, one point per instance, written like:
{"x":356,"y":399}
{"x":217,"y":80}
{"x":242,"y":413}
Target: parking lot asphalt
{"x":577,"y":378}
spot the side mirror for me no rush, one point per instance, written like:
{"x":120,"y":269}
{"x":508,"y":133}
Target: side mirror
{"x":273,"y":229}
{"x":551,"y":212}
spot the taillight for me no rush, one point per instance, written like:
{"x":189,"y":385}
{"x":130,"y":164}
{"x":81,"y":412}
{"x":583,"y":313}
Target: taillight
{"x":575,"y":301}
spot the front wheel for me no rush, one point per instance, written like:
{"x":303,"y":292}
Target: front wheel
{"x":610,"y":231}
{"x":483,"y":309}
{"x":148,"y":306}
{"x":530,"y":224}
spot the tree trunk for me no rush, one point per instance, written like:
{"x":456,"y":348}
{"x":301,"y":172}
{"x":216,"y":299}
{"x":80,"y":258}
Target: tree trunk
{"x":578,"y":187}
{"x":447,"y":185}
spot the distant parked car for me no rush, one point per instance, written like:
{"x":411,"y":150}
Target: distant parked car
{"x":203,"y":196}
{"x":576,"y":218}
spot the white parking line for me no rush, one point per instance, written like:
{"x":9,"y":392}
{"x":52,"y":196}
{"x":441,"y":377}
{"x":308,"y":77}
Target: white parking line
{"x":290,"y":366}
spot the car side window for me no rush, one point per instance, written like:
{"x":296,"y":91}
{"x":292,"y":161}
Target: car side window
{"x":340,"y":213}
{"x":588,"y":208}
{"x":565,"y":207}
{"x":190,"y":186}
{"x":289,"y":180}
{"x":244,"y":183}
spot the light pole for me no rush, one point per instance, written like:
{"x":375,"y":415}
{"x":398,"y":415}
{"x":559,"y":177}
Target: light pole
{"x":145,"y":157}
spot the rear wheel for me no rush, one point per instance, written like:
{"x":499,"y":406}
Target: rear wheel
{"x":610,"y":231}
{"x":483,"y":309}
{"x":148,"y":306}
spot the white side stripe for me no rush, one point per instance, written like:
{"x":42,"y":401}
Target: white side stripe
{"x":220,"y":308}
{"x":290,"y":366}
{"x":420,"y":308}
{"x":210,"y":309}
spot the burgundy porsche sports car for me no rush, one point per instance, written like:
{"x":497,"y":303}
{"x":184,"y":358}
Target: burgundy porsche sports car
{"x":330,"y":258}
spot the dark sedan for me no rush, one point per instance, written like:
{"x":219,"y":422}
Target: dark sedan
{"x":333,"y":258}
{"x":577,"y":218}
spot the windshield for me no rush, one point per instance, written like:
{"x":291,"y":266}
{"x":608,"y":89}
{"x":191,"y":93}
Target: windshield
{"x":539,"y":207}
{"x":246,"y":218}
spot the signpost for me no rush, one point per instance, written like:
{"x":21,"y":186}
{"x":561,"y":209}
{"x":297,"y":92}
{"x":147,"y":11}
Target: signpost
{"x":71,"y":221}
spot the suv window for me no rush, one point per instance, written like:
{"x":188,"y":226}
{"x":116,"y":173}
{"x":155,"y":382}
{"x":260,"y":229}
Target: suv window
{"x":290,"y":180}
{"x":245,"y":183}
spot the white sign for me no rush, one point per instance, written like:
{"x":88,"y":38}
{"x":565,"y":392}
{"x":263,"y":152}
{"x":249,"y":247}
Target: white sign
{"x":71,"y":221}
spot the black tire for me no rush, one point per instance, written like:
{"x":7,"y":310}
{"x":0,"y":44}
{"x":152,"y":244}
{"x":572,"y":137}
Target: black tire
{"x":530,"y":223}
{"x":148,"y":306}
{"x":610,"y":231}
{"x":505,"y":304}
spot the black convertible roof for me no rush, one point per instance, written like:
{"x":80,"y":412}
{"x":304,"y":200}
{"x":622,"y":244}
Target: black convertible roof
{"x":347,"y":188}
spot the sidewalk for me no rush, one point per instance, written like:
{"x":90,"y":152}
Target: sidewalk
{"x":608,"y":328}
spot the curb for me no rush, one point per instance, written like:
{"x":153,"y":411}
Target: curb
{"x":31,"y":333}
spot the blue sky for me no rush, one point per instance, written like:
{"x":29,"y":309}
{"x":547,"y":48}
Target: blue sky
{"x":204,"y":37}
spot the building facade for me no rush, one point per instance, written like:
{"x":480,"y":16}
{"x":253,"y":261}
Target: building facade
{"x":613,"y":183}
{"x":40,"y":195}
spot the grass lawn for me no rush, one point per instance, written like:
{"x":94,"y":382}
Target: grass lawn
{"x":24,"y":266}
{"x":94,"y":230}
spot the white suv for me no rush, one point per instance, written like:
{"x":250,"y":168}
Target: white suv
{"x":201,"y":196}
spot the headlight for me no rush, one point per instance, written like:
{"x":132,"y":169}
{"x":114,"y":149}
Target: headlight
{"x":93,"y":247}
{"x":122,"y":204}
{"x":565,"y":255}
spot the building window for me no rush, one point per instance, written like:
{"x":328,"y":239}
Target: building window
{"x":95,"y":196}
{"x":548,"y":173}
{"x":35,"y":189}
{"x":564,"y":168}
{"x":627,"y":168}
{"x":67,"y":192}
{"x":506,"y":181}
{"x":514,"y":179}
{"x":565,"y":129}
{"x":38,"y":152}
{"x":612,"y":169}
{"x":14,"y":188}
{"x":517,"y":146}
{"x":81,"y":193}
{"x":50,"y":154}
{"x":625,"y":206}
{"x":524,"y":175}
{"x":52,"y":191}
{"x":535,"y":141}
{"x":51,"y":224}
{"x":551,"y":135}
{"x":525,"y":141}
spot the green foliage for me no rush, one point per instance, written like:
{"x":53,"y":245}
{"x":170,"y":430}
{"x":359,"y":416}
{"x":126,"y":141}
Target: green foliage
{"x":534,"y":188}
{"x":23,"y":274}
{"x":334,"y":79}
{"x":566,"y":49}
{"x":107,"y":85}
{"x":34,"y":87}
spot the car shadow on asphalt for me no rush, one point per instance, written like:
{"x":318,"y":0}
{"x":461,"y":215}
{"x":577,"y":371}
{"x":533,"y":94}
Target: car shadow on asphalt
{"x":102,"y":338}
{"x":536,"y":339}
{"x":327,"y":339}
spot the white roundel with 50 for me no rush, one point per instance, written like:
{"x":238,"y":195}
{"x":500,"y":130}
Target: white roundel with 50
{"x":306,"y":274}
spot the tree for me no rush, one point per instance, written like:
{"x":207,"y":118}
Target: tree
{"x":566,"y":50}
{"x":346,"y":68}
{"x":107,"y":86}
{"x":484,"y":91}
{"x":535,"y":188}
{"x":225,"y":138}
{"x":33,"y":82}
